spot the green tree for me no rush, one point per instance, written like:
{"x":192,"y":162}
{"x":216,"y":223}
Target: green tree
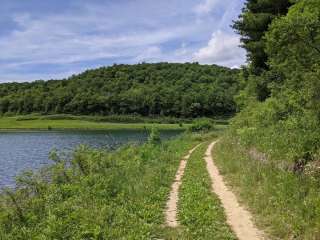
{"x":252,"y":25}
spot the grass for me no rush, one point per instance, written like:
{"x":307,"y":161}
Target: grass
{"x":16,"y":123}
{"x":96,"y":195}
{"x":286,"y":204}
{"x":200,"y":212}
{"x":115,"y":195}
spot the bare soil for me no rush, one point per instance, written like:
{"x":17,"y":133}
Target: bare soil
{"x":239,"y":219}
{"x":172,"y":203}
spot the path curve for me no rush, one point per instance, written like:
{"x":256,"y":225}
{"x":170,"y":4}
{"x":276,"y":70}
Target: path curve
{"x":239,"y":219}
{"x":172,"y":203}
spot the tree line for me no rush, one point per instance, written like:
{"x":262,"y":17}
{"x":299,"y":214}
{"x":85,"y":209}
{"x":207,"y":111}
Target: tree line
{"x":164,"y":89}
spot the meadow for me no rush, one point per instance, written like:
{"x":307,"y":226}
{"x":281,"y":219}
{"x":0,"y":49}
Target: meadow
{"x":79,"y":123}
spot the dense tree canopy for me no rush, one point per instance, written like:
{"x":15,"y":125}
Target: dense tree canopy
{"x":252,"y":25}
{"x":286,"y":125}
{"x":179,"y":90}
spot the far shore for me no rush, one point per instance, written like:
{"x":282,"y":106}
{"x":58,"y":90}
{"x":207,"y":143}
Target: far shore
{"x":14,"y":124}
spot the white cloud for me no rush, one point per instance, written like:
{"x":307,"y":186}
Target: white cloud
{"x":149,"y":55}
{"x":207,"y":6}
{"x":223,"y":48}
{"x":62,"y":39}
{"x":52,"y":44}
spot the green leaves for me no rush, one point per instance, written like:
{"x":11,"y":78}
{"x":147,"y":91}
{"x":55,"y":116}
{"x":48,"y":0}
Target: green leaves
{"x":166,"y":89}
{"x":202,"y":125}
{"x":95,"y":195}
{"x":200,"y":213}
{"x":286,"y":124}
{"x":252,"y":26}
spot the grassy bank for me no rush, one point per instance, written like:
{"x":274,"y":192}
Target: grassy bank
{"x":287,"y":204}
{"x":101,"y":195}
{"x":23,"y":123}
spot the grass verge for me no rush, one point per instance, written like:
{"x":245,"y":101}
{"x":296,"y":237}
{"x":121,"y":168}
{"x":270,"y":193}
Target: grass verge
{"x":287,"y":205}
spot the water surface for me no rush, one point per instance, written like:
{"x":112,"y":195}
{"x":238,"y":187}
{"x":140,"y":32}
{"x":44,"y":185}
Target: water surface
{"x":30,"y":150}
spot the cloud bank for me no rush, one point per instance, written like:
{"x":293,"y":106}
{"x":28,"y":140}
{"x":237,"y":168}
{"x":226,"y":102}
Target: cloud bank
{"x":60,"y":38}
{"x":223,"y":49}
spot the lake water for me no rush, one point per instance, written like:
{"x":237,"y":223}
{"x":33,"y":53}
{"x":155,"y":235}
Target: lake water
{"x":30,"y":150}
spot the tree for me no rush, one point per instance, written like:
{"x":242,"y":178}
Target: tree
{"x":177,"y":90}
{"x":252,"y":25}
{"x":293,"y":46}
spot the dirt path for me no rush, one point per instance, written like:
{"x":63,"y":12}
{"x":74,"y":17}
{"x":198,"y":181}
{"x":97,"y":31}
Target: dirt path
{"x":172,"y":209}
{"x":238,"y":218}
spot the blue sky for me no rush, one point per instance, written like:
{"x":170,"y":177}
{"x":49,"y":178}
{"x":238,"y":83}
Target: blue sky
{"x":54,"y":39}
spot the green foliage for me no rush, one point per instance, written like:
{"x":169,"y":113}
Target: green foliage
{"x":162,"y":89}
{"x":202,"y":125}
{"x":252,"y":25}
{"x":154,"y":137}
{"x":95,"y":195}
{"x":284,"y":203}
{"x":282,"y":187}
{"x":201,"y":213}
{"x":286,"y":125}
{"x":294,"y":49}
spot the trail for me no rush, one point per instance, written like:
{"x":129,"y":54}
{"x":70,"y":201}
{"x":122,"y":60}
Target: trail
{"x":171,"y":209}
{"x":239,"y":219}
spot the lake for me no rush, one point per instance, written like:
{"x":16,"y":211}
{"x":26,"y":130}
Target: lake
{"x":30,"y":150}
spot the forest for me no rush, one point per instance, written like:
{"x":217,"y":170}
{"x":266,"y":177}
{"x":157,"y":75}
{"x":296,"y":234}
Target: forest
{"x":163,"y":89}
{"x":279,"y":98}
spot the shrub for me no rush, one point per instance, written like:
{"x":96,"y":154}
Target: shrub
{"x":202,"y":125}
{"x":154,"y":137}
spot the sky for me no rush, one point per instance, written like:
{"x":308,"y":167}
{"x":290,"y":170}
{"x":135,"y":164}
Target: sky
{"x":54,"y":39}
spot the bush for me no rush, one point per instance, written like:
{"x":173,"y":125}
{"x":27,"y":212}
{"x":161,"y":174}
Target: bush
{"x":202,"y":125}
{"x":95,"y":195}
{"x":154,"y":137}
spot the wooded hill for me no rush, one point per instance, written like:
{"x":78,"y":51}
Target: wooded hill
{"x":165,"y":89}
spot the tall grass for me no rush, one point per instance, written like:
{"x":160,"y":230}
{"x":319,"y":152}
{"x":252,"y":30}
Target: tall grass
{"x":287,"y":204}
{"x":96,"y":195}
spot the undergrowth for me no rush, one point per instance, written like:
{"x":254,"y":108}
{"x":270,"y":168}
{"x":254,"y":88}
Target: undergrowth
{"x":96,"y":195}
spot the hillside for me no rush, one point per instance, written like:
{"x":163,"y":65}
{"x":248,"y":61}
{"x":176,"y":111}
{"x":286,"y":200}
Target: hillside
{"x":166,"y":89}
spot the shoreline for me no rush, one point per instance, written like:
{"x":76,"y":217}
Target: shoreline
{"x":31,"y":130}
{"x":44,"y":125}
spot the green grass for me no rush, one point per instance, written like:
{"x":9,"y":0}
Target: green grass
{"x":200,"y":212}
{"x":115,"y":195}
{"x":286,"y":204}
{"x":100,"y":195}
{"x":15,"y":123}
